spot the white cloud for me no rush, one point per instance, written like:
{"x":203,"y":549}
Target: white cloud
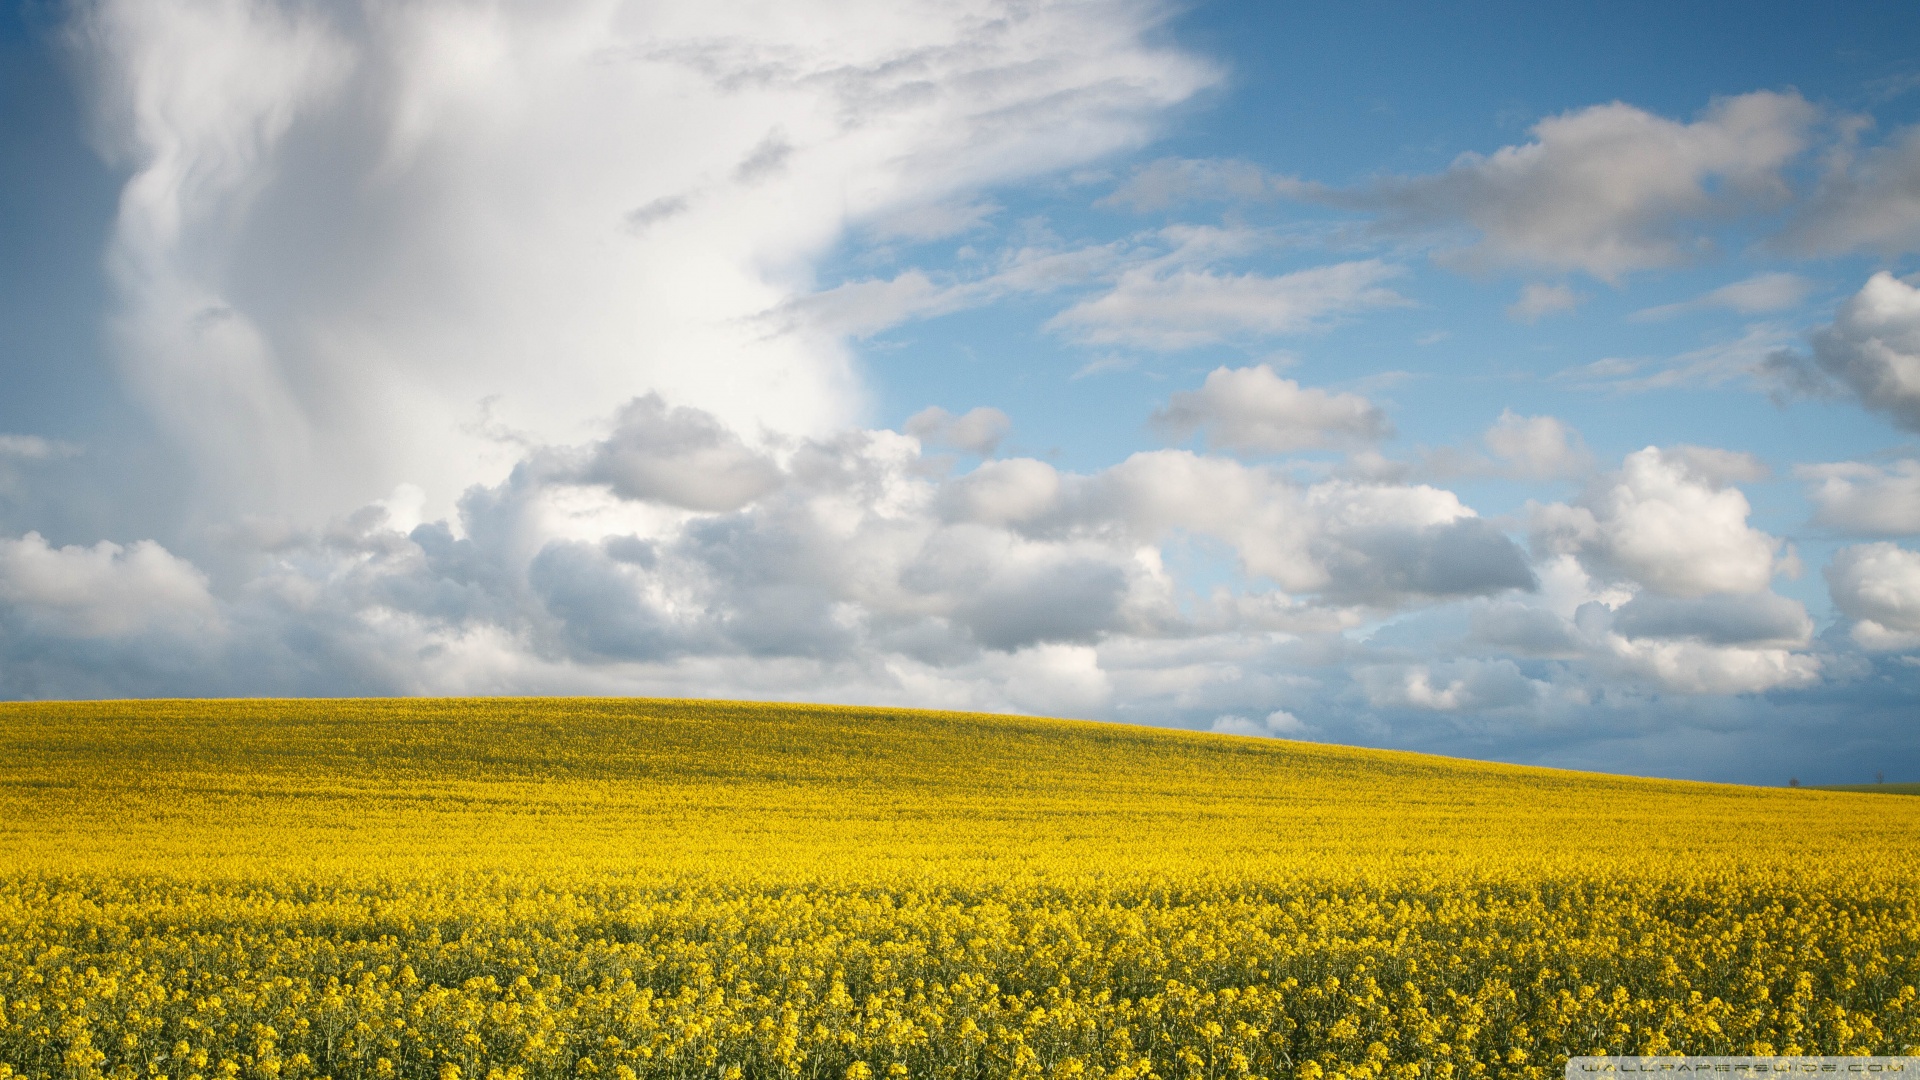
{"x":671,"y":547}
{"x":1538,"y":301}
{"x":977,"y":431}
{"x":346,"y":230}
{"x":1747,"y":619}
{"x":1347,"y":543}
{"x":1518,"y":447}
{"x":934,"y":221}
{"x":1608,"y":189}
{"x":1752,"y":296}
{"x":1668,"y":521}
{"x":1655,"y":575}
{"x":1873,"y":348}
{"x":1454,"y":687}
{"x":679,"y":456}
{"x":1717,"y":466}
{"x":103,"y":591}
{"x":864,"y":575}
{"x":1865,"y":500}
{"x":1252,"y":409}
{"x":1278,"y":724}
{"x":1869,"y":202}
{"x":1061,"y":680}
{"x":1690,"y":667}
{"x":1188,"y":308}
{"x":865,"y":307}
{"x":1878,"y":586}
{"x":1004,"y":492}
{"x":1537,"y":447}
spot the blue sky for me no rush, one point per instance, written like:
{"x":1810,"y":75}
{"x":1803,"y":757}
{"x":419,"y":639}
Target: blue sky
{"x":1513,"y":382}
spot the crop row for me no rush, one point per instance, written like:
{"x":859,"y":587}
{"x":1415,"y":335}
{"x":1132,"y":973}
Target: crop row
{"x":107,"y":977}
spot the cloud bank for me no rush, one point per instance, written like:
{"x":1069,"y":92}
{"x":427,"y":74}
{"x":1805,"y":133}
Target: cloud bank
{"x":357,"y":245}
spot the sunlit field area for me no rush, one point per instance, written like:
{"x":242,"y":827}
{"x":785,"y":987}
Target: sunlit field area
{"x":621,"y":888}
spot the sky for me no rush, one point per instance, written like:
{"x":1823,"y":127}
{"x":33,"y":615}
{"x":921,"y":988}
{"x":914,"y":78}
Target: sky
{"x":1508,"y":381}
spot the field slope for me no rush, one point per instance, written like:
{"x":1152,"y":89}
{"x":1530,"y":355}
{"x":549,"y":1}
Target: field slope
{"x":626,"y":887}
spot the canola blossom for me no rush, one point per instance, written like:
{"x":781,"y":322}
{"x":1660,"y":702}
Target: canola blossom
{"x":522,"y":888}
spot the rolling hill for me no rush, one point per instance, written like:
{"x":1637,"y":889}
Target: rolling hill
{"x":458,"y":888}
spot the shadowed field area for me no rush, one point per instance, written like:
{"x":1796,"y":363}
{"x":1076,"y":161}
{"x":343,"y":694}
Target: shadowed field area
{"x":1876,"y":789}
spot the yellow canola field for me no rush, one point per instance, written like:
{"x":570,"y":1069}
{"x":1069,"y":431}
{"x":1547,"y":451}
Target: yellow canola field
{"x":621,"y":888}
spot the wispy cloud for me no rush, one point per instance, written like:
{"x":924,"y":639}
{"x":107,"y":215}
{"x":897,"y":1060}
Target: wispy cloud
{"x":1744,"y":358}
{"x":1756,"y":295}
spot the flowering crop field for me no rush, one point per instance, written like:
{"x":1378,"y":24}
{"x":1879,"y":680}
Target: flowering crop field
{"x":622,"y":888}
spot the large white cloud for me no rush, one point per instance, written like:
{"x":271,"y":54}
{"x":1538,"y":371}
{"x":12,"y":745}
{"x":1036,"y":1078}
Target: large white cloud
{"x":1878,"y":586}
{"x":1656,"y":575}
{"x":103,"y":591}
{"x":360,"y":246}
{"x":1693,"y":667}
{"x":1670,"y":521}
{"x":1873,"y":348}
{"x":1863,"y":499}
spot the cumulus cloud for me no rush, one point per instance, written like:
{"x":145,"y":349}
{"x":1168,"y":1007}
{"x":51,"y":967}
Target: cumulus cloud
{"x":344,"y":231}
{"x":1738,"y":619}
{"x":842,"y":565}
{"x":1537,"y":447}
{"x":1654,"y":575}
{"x":1872,"y":349}
{"x":1004,"y":493}
{"x":1669,"y":521}
{"x":1366,"y":544}
{"x":1188,"y":308}
{"x":1607,"y":190}
{"x":1526,"y":630}
{"x":977,"y":431}
{"x":1878,"y":587}
{"x":1515,"y":446}
{"x":1253,"y":409}
{"x":678,"y":456}
{"x":1710,"y":645}
{"x":103,"y":591}
{"x":1454,"y":687}
{"x":1864,"y":499}
{"x":1278,"y":724}
{"x":1752,"y":296}
{"x":1693,"y":667}
{"x":1866,"y":202}
{"x":1538,"y":301}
